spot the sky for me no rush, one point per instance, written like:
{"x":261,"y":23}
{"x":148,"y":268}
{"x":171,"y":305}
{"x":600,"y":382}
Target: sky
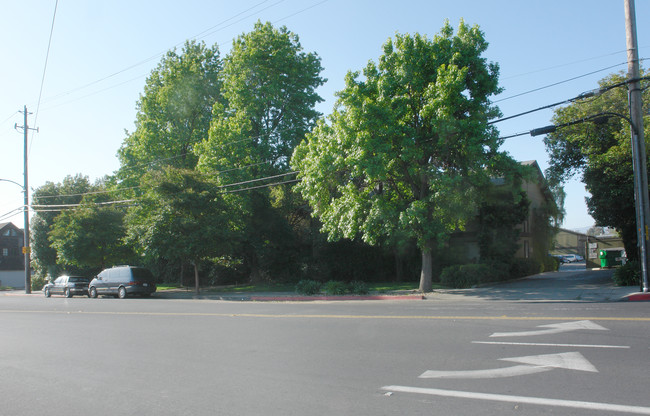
{"x":82,"y":94}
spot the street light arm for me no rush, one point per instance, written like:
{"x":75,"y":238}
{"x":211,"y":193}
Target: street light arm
{"x":15,"y":183}
{"x":596,"y":118}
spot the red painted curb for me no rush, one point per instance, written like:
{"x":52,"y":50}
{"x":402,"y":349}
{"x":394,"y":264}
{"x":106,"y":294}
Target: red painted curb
{"x":312,"y":298}
{"x":637,"y":297}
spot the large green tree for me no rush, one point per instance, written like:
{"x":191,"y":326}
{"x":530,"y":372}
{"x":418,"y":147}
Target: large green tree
{"x":47,"y":201}
{"x":269,"y":90}
{"x":408,"y":145}
{"x":600,"y":152}
{"x":91,"y":236}
{"x":173,"y":112}
{"x":182,"y":217}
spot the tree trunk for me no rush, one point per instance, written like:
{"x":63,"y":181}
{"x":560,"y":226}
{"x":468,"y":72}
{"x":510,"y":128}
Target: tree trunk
{"x":399,"y":266}
{"x":426,"y":276}
{"x":182,"y":272}
{"x":196,"y":278}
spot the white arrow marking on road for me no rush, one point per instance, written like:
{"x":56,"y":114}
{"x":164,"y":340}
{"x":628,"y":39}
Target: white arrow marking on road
{"x":532,"y":364}
{"x":568,"y":360}
{"x":553,"y":329}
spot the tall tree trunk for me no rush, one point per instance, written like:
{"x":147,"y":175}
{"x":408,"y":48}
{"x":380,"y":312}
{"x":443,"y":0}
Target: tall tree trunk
{"x":426,"y":276}
{"x":196,"y":278}
{"x":399,"y":266}
{"x":182,"y":272}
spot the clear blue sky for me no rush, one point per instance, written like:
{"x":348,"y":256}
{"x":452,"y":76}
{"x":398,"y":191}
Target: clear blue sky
{"x":101,"y":53}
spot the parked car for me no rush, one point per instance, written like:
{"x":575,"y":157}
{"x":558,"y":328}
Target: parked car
{"x":572,"y":258}
{"x":121,"y":281}
{"x":67,"y":286}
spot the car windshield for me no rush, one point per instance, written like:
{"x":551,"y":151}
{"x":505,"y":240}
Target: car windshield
{"x":78,"y":280}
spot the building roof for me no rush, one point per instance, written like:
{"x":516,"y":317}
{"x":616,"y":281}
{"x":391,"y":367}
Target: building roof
{"x":4,"y":225}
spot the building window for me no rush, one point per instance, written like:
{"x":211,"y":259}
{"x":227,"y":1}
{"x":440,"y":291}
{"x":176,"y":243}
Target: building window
{"x":526,"y":250}
{"x":5,"y":252}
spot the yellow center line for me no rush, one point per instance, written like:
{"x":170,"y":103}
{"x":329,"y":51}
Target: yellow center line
{"x":329,"y":316}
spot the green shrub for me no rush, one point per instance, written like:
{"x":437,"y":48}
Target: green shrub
{"x":551,"y":264}
{"x":628,"y":275}
{"x":468,"y":275}
{"x":308,"y":287}
{"x":38,"y":283}
{"x":462,"y":276}
{"x":358,"y":287}
{"x":525,"y":267}
{"x":334,"y":287}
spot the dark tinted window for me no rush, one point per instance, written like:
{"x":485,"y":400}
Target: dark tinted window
{"x":75,"y":279}
{"x":142,"y":274}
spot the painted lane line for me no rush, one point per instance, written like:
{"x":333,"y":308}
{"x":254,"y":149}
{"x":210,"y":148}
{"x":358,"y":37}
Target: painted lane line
{"x":540,"y":344}
{"x":605,"y":407}
{"x":532,"y":364}
{"x":553,"y":329}
{"x":319,"y":316}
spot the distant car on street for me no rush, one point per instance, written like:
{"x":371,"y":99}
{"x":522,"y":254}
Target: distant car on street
{"x":67,"y":286}
{"x":573,"y":258}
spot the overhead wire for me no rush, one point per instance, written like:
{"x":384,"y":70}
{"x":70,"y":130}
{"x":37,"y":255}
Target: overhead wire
{"x":47,"y":55}
{"x":558,"y":83}
{"x":201,"y":35}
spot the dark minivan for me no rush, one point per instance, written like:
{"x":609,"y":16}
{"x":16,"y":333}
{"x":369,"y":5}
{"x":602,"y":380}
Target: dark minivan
{"x":121,"y":281}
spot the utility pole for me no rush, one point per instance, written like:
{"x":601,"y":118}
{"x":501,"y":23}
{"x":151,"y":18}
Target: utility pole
{"x":638,"y":141}
{"x":26,"y":247}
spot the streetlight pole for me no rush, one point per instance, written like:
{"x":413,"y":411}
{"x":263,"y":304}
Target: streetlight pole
{"x":638,"y":142}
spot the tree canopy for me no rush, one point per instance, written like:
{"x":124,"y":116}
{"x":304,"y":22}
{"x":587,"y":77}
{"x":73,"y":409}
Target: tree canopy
{"x":182,"y":217}
{"x":269,"y":90}
{"x":600,"y":152}
{"x":90,"y":236}
{"x":174,"y":112}
{"x":408,"y":145}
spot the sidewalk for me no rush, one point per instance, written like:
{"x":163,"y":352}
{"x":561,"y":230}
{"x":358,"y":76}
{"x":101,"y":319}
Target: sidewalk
{"x":569,"y":285}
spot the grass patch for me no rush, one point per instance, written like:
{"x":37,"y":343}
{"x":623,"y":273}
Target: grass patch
{"x":249,"y":288}
{"x":381,"y":287}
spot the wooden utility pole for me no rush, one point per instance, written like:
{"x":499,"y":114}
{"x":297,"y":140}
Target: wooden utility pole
{"x":26,"y":247}
{"x":638,"y":141}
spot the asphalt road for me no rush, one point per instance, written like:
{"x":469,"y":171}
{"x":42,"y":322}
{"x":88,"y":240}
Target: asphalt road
{"x":446,"y":356}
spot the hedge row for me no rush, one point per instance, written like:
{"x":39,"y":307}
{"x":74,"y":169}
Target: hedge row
{"x":469,"y":275}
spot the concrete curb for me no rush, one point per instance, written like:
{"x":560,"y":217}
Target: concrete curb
{"x":334,"y":298}
{"x":637,"y":297}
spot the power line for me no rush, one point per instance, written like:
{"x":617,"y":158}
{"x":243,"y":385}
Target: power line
{"x":198,"y":36}
{"x":587,"y":94}
{"x":558,"y":83}
{"x":260,"y":179}
{"x":47,"y":55}
{"x":78,"y":205}
{"x":262,"y":186}
{"x":566,"y":64}
{"x":301,"y":11}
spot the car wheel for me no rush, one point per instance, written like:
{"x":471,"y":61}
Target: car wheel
{"x":67,"y":293}
{"x":47,"y":292}
{"x":92,"y":292}
{"x":121,"y":292}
